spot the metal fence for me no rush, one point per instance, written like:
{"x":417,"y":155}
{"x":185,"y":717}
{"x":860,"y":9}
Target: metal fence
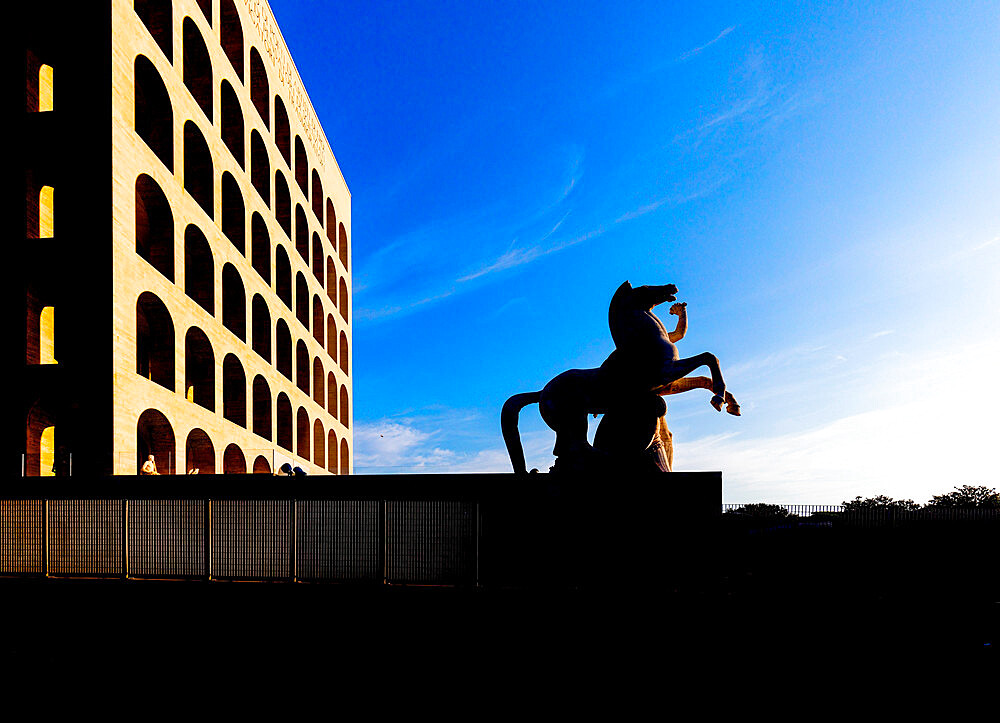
{"x":375,"y":541}
{"x":875,"y":516}
{"x":405,"y":530}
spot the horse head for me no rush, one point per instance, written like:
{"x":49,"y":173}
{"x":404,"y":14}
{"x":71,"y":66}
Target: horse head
{"x":630,"y":314}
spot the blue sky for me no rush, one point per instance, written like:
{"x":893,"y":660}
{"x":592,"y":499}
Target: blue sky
{"x":822,"y":183}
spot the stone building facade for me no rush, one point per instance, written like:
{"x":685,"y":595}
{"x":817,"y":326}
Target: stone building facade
{"x":206,"y":319}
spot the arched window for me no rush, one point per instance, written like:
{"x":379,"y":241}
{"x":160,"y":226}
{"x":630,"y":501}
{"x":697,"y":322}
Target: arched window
{"x":344,"y":356}
{"x":261,"y":333}
{"x":331,"y":394}
{"x":317,"y":197}
{"x":154,"y":341}
{"x":232,"y":123}
{"x":154,"y":226}
{"x":47,"y":336}
{"x":342,"y":246}
{"x":282,"y":204}
{"x":199,"y":269}
{"x":260,"y":247}
{"x":284,"y":418}
{"x":342,"y":306}
{"x":40,"y":208}
{"x":199,"y":452}
{"x":317,"y":319}
{"x":331,"y":280}
{"x":282,"y":135}
{"x":40,"y":442}
{"x":317,"y":254}
{"x":40,"y":340}
{"x":319,"y":386}
{"x":302,"y":366}
{"x":199,"y":369}
{"x":302,"y":430}
{"x":301,"y":299}
{"x":233,"y":461}
{"x":234,"y":302}
{"x":234,"y":213}
{"x":260,"y":168}
{"x":234,"y":391}
{"x":261,"y":465}
{"x":331,"y":452}
{"x":331,"y":223}
{"x":232,"y":35}
{"x":319,"y":444}
{"x":154,"y":116}
{"x":344,"y":416}
{"x":157,"y":16}
{"x":46,"y":89}
{"x":47,"y":212}
{"x":259,"y":92}
{"x":199,"y":175}
{"x":301,"y":167}
{"x":345,"y":457}
{"x":283,"y":276}
{"x":331,"y":337}
{"x":197,"y":67}
{"x":283,"y":349}
{"x":301,"y":234}
{"x":261,"y":408}
{"x":155,"y":436}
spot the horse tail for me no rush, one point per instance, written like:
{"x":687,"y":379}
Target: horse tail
{"x":508,"y":425}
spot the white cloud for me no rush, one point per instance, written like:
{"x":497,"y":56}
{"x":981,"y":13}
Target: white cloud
{"x":941,"y":433}
{"x":433,"y":444}
{"x":717,"y":38}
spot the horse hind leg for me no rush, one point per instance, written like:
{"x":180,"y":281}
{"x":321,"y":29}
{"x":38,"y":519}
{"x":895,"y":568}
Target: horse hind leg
{"x":688,"y":383}
{"x":679,"y":368}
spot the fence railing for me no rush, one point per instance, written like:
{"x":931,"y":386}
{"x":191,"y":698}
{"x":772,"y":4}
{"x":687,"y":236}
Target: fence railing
{"x":404,"y":530}
{"x":831,"y":515}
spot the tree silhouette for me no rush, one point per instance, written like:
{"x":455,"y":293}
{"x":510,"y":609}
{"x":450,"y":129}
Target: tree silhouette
{"x":967,"y":496}
{"x":761,"y":509}
{"x":879,"y":503}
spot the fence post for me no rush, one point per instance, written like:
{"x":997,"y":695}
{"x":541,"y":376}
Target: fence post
{"x":293,"y":562}
{"x":45,"y":537}
{"x":125,"y":539}
{"x":208,"y":540}
{"x":385,"y":542}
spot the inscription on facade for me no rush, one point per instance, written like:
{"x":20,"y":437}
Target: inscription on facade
{"x":267,"y":29}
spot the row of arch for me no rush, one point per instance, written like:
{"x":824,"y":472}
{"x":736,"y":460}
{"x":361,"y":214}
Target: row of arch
{"x":155,"y":436}
{"x":199,"y":79}
{"x":154,"y":238}
{"x":154,"y":234}
{"x":155,"y":360}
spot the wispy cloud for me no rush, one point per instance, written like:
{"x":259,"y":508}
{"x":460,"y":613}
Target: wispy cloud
{"x":694,"y":51}
{"x":985,"y":244}
{"x":445,"y":441}
{"x":375,"y":314}
{"x":520,"y":256}
{"x":512,"y":257}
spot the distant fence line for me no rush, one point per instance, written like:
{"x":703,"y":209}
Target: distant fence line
{"x":869,"y":515}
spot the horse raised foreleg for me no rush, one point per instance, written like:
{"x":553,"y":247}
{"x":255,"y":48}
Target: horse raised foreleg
{"x":688,"y":383}
{"x":677,"y":369}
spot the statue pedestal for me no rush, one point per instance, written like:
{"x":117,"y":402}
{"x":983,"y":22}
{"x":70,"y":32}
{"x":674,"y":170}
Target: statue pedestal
{"x":600,"y":532}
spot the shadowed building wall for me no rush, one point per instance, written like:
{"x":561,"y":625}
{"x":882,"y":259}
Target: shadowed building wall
{"x":205,"y":319}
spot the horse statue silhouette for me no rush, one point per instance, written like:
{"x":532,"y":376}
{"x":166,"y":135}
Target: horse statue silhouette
{"x":627,"y":389}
